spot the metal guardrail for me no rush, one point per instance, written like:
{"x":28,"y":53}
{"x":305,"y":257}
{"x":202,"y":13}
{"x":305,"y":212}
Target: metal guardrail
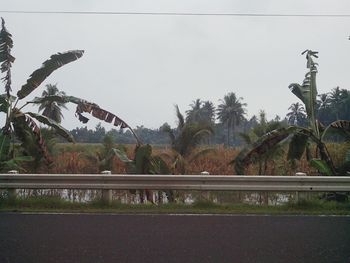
{"x":176,"y":182}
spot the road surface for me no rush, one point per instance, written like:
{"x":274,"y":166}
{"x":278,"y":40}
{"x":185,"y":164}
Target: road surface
{"x":173,"y":238}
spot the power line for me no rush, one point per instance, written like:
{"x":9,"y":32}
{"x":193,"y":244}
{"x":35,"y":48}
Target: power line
{"x":175,"y":14}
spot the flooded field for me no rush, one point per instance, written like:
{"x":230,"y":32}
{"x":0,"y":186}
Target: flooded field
{"x":163,"y":197}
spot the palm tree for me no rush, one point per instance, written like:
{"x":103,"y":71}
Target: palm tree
{"x":323,"y":101}
{"x":324,"y":110}
{"x":345,"y":105}
{"x":297,"y":115}
{"x":208,"y":112}
{"x":194,"y":114}
{"x":201,"y":112}
{"x":52,"y":109}
{"x":335,"y":99}
{"x":231,"y":112}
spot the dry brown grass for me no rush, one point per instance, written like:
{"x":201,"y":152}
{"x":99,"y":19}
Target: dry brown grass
{"x":80,"y":159}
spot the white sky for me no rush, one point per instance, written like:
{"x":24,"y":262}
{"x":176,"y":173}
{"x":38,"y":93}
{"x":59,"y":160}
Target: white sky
{"x":138,"y":67}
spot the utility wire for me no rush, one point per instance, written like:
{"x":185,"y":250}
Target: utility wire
{"x":175,"y":14}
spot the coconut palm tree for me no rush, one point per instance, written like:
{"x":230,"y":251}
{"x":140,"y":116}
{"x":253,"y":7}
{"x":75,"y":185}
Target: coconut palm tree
{"x":324,"y":109}
{"x":345,"y":105}
{"x":194,"y":114}
{"x":335,"y":99}
{"x":297,"y":115}
{"x":231,"y":112}
{"x":208,"y":112}
{"x":50,"y":108}
{"x":201,"y":112}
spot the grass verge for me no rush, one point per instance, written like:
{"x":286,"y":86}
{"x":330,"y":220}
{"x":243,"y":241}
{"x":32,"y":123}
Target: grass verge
{"x":55,"y":204}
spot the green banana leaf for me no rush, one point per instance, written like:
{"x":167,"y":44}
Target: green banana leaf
{"x":49,"y":122}
{"x":15,"y":163}
{"x":6,"y":59}
{"x":268,"y":141}
{"x":23,"y":125}
{"x":142,"y":159}
{"x":121,"y":155}
{"x":297,"y":146}
{"x":159,"y":166}
{"x":5,"y":143}
{"x":6,"y":44}
{"x":307,"y":92}
{"x":321,"y":166}
{"x":54,"y":62}
{"x":341,"y":127}
{"x":5,"y":102}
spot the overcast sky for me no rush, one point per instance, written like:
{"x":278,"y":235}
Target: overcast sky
{"x":139,"y":66}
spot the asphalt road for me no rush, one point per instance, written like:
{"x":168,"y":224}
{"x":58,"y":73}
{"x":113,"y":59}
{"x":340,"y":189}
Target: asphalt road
{"x":162,"y":238}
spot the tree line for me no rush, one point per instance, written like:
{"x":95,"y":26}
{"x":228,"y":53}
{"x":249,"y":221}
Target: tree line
{"x":228,"y":121}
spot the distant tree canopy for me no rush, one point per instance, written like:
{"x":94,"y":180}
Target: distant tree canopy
{"x":330,"y":107}
{"x":334,"y":105}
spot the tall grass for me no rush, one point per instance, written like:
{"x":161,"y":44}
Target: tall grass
{"x":82,"y":158}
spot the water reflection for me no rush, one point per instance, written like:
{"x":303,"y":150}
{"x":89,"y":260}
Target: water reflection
{"x":161,"y":197}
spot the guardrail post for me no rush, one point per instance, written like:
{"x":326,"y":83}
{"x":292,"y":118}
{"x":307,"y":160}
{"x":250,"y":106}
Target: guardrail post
{"x":106,"y":193}
{"x":11,"y":192}
{"x":298,"y":194}
{"x":205,"y":195}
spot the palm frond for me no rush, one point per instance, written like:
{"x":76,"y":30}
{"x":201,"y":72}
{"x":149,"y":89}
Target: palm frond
{"x":50,"y":98}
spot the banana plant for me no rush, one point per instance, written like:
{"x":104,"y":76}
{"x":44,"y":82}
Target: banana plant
{"x":300,"y":138}
{"x":144,"y":162}
{"x":22,"y":125}
{"x":18,"y":123}
{"x":251,"y":137}
{"x":184,"y":141}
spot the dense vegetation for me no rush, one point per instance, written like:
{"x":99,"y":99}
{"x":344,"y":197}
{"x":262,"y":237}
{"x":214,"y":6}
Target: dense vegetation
{"x":331,"y":106}
{"x":313,"y":137}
